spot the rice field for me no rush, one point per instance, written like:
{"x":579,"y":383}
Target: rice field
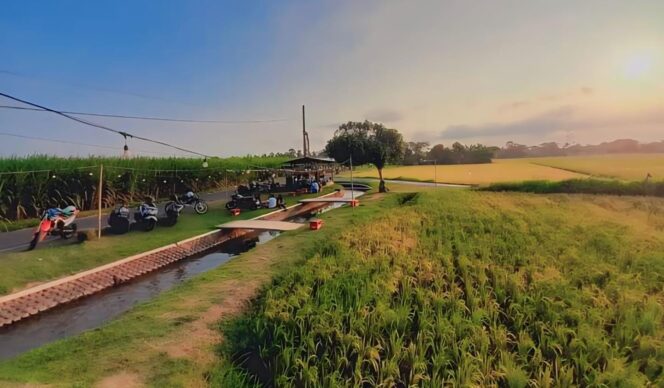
{"x":501,"y":170}
{"x":463,"y":288}
{"x":621,"y":166}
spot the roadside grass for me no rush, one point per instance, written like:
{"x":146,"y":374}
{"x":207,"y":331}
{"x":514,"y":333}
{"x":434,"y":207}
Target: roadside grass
{"x":467,"y":288}
{"x":621,"y":166}
{"x":146,"y":340}
{"x":20,"y":269}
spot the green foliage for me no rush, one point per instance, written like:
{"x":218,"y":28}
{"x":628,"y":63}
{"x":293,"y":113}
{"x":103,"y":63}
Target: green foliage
{"x":367,"y":142}
{"x":583,"y":186}
{"x":464,"y":289}
{"x":461,"y":154}
{"x":67,"y":181}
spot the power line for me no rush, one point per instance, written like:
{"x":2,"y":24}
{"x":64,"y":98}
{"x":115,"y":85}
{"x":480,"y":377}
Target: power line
{"x":73,"y":142}
{"x":122,"y":133}
{"x":152,"y":118}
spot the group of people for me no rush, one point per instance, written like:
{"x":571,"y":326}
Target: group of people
{"x":314,"y":185}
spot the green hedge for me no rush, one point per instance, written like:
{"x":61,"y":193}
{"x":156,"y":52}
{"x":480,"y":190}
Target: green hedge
{"x":583,"y":186}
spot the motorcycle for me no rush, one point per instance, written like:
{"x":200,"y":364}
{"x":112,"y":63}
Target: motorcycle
{"x":193,"y":200}
{"x":172,"y":209}
{"x":239,"y":201}
{"x":119,"y":221}
{"x":55,"y":221}
{"x":146,"y":216}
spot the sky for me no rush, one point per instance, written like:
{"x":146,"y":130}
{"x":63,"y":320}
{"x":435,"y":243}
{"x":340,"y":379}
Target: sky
{"x":438,"y":71}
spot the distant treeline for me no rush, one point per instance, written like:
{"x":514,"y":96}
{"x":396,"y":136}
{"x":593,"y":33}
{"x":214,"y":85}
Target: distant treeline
{"x":516,"y":150}
{"x":583,"y":186}
{"x":420,"y":153}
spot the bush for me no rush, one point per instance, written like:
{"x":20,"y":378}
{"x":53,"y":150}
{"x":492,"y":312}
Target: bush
{"x":583,"y":186}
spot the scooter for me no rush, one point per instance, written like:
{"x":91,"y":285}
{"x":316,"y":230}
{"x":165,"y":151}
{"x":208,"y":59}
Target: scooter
{"x":172,"y":209}
{"x":55,"y":221}
{"x":119,"y":221}
{"x":146,"y":216}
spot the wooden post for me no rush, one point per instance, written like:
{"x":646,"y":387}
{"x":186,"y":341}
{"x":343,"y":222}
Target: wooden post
{"x":100,"y":190}
{"x":352,"y":187}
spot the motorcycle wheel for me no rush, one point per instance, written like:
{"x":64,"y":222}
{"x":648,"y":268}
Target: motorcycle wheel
{"x":66,"y":233}
{"x":149,"y":225}
{"x":231,"y":205}
{"x":201,"y":207}
{"x":34,"y":241}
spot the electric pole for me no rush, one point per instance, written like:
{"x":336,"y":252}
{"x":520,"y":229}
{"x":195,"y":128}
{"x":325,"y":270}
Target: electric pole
{"x":305,"y":149}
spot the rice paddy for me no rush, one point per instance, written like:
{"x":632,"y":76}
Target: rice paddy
{"x":619,"y":166}
{"x":468,"y":289}
{"x":501,"y":170}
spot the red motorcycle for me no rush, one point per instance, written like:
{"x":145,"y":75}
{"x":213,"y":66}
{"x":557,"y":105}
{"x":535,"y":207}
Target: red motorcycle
{"x":55,"y":221}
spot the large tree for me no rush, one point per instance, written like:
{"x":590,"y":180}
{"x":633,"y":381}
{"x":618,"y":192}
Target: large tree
{"x":366,"y":142}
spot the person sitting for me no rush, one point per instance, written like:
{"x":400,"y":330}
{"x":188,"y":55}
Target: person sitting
{"x":280,"y":202}
{"x":271,"y":202}
{"x":314,"y":187}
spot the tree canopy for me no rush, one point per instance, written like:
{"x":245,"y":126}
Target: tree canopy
{"x":366,"y":142}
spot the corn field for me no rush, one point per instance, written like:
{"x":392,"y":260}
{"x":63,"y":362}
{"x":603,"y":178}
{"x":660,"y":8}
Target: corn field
{"x":29,"y":185}
{"x":468,"y":289}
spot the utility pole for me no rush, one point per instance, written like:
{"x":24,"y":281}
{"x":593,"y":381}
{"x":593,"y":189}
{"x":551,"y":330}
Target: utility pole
{"x":100,"y":190}
{"x":305,"y":150}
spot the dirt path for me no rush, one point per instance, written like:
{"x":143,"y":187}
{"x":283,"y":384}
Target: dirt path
{"x":195,"y":340}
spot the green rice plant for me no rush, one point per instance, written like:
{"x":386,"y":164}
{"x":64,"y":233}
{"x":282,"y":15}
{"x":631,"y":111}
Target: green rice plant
{"x":466,"y":288}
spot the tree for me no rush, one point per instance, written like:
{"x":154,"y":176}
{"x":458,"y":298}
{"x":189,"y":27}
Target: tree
{"x":366,"y":142}
{"x":415,"y":152}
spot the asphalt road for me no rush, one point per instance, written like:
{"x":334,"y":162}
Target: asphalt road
{"x":19,"y":239}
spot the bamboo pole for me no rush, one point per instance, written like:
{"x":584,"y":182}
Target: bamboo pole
{"x":100,"y":190}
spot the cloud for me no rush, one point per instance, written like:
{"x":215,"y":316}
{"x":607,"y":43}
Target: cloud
{"x":566,"y":118}
{"x":542,"y":124}
{"x":384,"y":115}
{"x":561,"y":97}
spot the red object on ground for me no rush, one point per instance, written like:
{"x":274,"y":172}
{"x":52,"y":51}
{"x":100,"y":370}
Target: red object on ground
{"x":235,"y":212}
{"x":354,"y":203}
{"x":315,"y":224}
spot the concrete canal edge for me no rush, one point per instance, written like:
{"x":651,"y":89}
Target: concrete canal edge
{"x":34,"y":300}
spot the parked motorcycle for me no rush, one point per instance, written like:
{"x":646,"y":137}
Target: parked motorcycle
{"x":146,"y":216}
{"x":239,"y":201}
{"x":119,"y":221}
{"x":192,"y":199}
{"x":55,"y":221}
{"x":172,"y":209}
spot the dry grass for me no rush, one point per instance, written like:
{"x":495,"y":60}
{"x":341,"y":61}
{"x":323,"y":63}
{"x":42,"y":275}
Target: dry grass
{"x":626,"y":166}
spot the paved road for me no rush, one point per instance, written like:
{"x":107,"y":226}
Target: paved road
{"x":19,"y":239}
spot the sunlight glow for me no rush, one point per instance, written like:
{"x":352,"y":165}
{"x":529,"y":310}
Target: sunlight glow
{"x":638,"y":65}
